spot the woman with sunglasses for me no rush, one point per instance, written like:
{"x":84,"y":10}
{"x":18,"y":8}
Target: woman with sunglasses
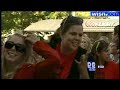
{"x":105,"y":68}
{"x":18,"y":63}
{"x":14,"y":55}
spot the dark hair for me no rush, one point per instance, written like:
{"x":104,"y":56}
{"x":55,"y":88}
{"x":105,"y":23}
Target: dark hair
{"x":116,"y":30}
{"x":65,"y":25}
{"x":55,"y":39}
{"x":68,"y":22}
{"x":98,"y":46}
{"x":116,"y":41}
{"x":118,"y":44}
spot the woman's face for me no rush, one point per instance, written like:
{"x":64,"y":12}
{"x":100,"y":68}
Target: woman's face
{"x":72,"y":38}
{"x":14,"y":49}
{"x":84,"y":44}
{"x":104,"y":55}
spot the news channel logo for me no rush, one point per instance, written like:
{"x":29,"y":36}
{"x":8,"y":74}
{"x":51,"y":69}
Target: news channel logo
{"x":104,"y":13}
{"x":91,"y":66}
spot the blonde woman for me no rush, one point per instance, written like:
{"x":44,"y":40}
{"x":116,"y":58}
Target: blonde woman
{"x":86,"y":43}
{"x":16,"y":52}
{"x":14,"y":55}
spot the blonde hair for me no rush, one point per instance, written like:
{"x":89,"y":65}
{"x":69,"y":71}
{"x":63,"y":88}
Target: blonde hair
{"x":16,"y":34}
{"x":86,"y":38}
{"x":106,"y":39}
{"x":7,"y":74}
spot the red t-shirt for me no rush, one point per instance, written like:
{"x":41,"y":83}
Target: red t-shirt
{"x":66,"y":63}
{"x":110,"y":71}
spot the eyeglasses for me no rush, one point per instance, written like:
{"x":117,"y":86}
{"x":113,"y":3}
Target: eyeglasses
{"x":18,"y":47}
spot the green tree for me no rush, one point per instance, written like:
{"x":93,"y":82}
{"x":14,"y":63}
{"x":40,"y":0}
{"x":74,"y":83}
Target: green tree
{"x":19,"y":20}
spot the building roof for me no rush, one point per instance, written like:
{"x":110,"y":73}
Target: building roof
{"x":89,"y":25}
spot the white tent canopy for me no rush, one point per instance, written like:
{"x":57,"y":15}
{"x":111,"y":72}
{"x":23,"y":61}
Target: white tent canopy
{"x":89,"y":25}
{"x":44,"y":25}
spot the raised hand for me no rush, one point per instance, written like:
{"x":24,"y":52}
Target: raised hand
{"x":82,"y":65}
{"x":31,"y":38}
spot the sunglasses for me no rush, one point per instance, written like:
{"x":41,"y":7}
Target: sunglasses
{"x":18,"y":47}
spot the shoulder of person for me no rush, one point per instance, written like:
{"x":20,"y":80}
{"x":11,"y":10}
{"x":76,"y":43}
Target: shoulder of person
{"x":113,"y":64}
{"x":25,"y":67}
{"x":25,"y":72}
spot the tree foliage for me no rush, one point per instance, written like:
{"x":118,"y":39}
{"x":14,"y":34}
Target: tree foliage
{"x":19,"y":20}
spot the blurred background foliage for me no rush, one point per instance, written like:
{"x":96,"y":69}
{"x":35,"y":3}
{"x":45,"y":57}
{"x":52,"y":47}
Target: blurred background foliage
{"x":19,"y":20}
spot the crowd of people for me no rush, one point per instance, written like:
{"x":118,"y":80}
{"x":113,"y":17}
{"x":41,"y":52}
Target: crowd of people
{"x":70,"y":54}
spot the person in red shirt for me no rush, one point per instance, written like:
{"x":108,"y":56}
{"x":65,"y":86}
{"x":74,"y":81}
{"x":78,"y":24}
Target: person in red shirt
{"x":105,"y":68}
{"x":14,"y":55}
{"x":41,"y":70}
{"x":66,"y":43}
{"x":62,"y":61}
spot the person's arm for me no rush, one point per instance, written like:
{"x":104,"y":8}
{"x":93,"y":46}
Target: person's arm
{"x":84,"y":74}
{"x":47,"y":68}
{"x":82,"y":64}
{"x":42,"y":70}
